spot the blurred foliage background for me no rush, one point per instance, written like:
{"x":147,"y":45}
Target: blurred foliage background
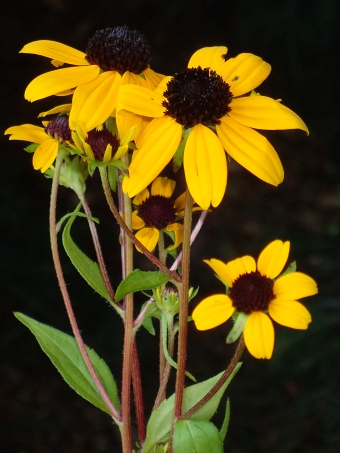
{"x":290,"y":404}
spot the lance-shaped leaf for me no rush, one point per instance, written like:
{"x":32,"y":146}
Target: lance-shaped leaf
{"x":140,"y":281}
{"x":64,"y":353}
{"x":87,"y":268}
{"x":159,"y":424}
{"x":196,"y":436}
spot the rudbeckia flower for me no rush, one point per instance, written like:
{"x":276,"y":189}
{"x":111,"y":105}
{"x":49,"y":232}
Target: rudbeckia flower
{"x":97,"y":74}
{"x":157,"y":212}
{"x":207,"y":105}
{"x":49,"y":138}
{"x":256,"y":291}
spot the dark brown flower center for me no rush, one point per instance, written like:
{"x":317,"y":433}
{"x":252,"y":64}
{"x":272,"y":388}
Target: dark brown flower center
{"x":252,"y":292}
{"x":98,"y":140}
{"x":197,"y":95}
{"x":157,"y":211}
{"x":58,"y":128}
{"x":119,"y":49}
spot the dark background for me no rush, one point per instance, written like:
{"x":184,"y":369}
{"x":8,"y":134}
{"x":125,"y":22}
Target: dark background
{"x":288,"y":404}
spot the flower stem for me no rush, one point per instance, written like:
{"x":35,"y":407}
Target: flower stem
{"x":67,"y":301}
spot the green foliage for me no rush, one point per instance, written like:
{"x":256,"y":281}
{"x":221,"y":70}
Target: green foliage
{"x":140,"y":281}
{"x":196,"y":436}
{"x":64,"y":353}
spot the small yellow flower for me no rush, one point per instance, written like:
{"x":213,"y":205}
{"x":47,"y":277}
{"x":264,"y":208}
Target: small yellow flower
{"x":206,"y":103}
{"x":113,"y":57}
{"x":156,"y":212}
{"x":49,"y":139}
{"x":256,"y":291}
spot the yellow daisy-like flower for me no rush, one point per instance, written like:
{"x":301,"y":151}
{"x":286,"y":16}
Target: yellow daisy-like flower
{"x":206,"y":104}
{"x":256,"y":291}
{"x":111,"y":54}
{"x":49,"y":138}
{"x":156,"y":212}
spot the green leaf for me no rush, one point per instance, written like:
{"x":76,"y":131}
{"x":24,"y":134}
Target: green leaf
{"x":225,"y":424}
{"x":196,"y":436}
{"x":63,"y":351}
{"x":140,"y":281}
{"x":32,"y":147}
{"x":112,"y":177}
{"x":178,"y":157}
{"x":159,"y":424}
{"x":87,"y":268}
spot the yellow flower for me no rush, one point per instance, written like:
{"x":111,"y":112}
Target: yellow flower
{"x":49,"y":139}
{"x":97,"y":74}
{"x":256,"y":291}
{"x":156,"y":212}
{"x":206,"y":104}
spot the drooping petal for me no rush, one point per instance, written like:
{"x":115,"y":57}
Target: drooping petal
{"x":148,"y":237}
{"x":212,"y":311}
{"x":64,"y":108}
{"x":290,"y":313}
{"x":152,"y":78}
{"x":136,"y":221}
{"x":141,"y":196}
{"x":54,"y":82}
{"x":57,"y":51}
{"x":251,"y":150}
{"x":262,"y":112}
{"x":140,"y":100}
{"x":205,"y":167}
{"x":27,"y":133}
{"x":244,"y":73}
{"x":161,"y":139}
{"x":163,"y":186}
{"x":273,"y":258}
{"x":177,"y":229}
{"x":259,"y":335}
{"x":294,"y":286}
{"x":126,"y":120}
{"x":45,"y":155}
{"x":179,"y":203}
{"x":209,"y":57}
{"x":94,"y":102}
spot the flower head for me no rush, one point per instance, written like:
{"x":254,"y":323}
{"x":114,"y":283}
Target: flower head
{"x":207,"y":108}
{"x":49,"y":138}
{"x":156,"y":212}
{"x":256,"y":291}
{"x":95,"y":76}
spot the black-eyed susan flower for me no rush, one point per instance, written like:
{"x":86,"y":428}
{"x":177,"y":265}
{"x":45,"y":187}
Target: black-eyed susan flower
{"x":258,"y":292}
{"x":96,"y":74}
{"x":207,"y":105}
{"x":156,"y":212}
{"x":55,"y":133}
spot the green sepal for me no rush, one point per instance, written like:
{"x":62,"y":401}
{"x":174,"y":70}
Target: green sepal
{"x":196,"y":436}
{"x":226,"y":420}
{"x":178,"y":157}
{"x":112,"y":177}
{"x":64,"y":353}
{"x":238,"y":327}
{"x":87,"y":268}
{"x":139,"y":280}
{"x":158,"y":428}
{"x":290,"y":269}
{"x":32,"y":147}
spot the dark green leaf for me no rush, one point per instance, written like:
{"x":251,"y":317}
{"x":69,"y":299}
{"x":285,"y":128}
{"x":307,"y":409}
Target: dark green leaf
{"x":140,"y":281}
{"x":196,"y":436}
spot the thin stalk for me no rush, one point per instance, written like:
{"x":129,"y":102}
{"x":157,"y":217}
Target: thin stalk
{"x":162,"y":362}
{"x":138,"y":395}
{"x":67,"y":301}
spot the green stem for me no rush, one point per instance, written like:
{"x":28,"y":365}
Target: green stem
{"x":67,"y":301}
{"x":162,"y":362}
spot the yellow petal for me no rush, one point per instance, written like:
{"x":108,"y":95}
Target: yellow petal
{"x":161,"y":139}
{"x":209,"y":57}
{"x":251,"y":150}
{"x":294,"y":286}
{"x":64,"y":108}
{"x":259,"y":335}
{"x":148,"y":237}
{"x":290,"y":313}
{"x":54,"y":82}
{"x":136,"y":221}
{"x":45,"y":155}
{"x":27,"y":133}
{"x":262,"y":112}
{"x":221,"y":270}
{"x":244,"y":73}
{"x":140,"y":100}
{"x":177,"y":229}
{"x":126,"y":120}
{"x":205,"y":167}
{"x":94,"y":102}
{"x":152,"y":78}
{"x":141,"y":196}
{"x":212,"y":311}
{"x":179,"y":203}
{"x":56,"y":51}
{"x":239,"y":266}
{"x":273,"y":258}
{"x":163,"y":186}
